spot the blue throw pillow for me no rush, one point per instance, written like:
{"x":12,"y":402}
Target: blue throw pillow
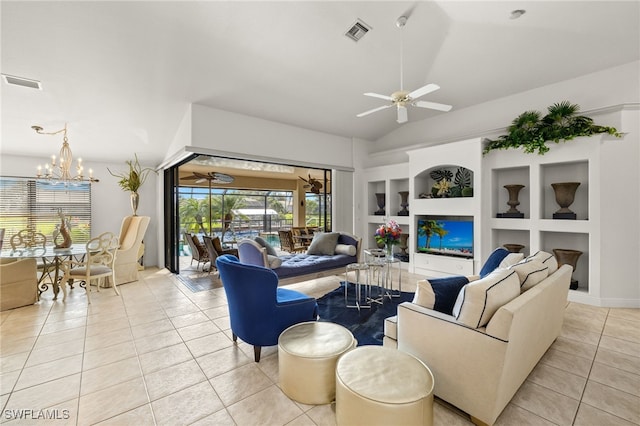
{"x":439,"y":294}
{"x":493,"y":261}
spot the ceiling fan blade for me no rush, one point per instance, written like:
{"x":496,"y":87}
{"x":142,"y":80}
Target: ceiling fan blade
{"x":201,"y":180}
{"x":376,"y":95}
{"x":371,"y":111}
{"x":433,"y":105}
{"x":402,"y":114}
{"x":423,"y":91}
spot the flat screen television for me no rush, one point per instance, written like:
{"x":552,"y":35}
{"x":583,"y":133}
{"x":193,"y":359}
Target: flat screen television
{"x":446,"y":237}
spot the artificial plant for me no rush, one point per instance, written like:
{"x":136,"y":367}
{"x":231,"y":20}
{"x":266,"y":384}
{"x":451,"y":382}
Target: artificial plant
{"x":531,"y":131}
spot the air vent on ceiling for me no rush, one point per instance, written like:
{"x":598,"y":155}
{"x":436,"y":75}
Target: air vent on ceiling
{"x":21,"y":81}
{"x":357,"y":30}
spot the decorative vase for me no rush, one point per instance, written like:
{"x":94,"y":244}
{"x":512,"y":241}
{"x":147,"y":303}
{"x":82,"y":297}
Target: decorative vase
{"x":568,"y":257}
{"x":381,"y":203}
{"x":404,"y":195}
{"x":513,"y":190}
{"x":403,"y":243}
{"x":513,"y":248}
{"x":64,"y":231}
{"x":565,"y":195}
{"x":388,"y":249}
{"x":135,"y":199}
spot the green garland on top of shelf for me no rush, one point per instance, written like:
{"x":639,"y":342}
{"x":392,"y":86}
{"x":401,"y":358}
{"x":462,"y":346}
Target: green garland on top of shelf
{"x":531,"y":131}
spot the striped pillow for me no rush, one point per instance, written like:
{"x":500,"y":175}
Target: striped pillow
{"x":530,"y":272}
{"x":547,"y":259}
{"x":479,"y":300}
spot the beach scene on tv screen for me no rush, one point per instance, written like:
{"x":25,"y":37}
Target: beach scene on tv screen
{"x":445,"y":237}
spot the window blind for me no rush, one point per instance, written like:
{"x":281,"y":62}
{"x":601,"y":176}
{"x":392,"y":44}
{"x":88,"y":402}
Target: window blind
{"x":30,"y":203}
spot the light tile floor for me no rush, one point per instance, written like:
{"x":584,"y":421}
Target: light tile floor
{"x":161,"y":354}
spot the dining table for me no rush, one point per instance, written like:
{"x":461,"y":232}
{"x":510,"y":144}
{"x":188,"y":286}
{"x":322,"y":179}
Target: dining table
{"x":51,"y":258}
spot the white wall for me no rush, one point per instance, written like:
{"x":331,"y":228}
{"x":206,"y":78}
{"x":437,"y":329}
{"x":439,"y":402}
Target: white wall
{"x":614,"y":86}
{"x":109,"y":203}
{"x":250,"y":136}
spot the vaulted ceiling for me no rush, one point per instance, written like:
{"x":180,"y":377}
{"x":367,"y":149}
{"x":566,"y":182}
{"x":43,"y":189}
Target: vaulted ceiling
{"x":121,"y":74}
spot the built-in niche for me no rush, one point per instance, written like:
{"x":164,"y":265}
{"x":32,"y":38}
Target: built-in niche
{"x":444,"y":181}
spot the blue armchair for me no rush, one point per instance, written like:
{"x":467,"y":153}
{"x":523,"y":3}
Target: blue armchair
{"x":259,"y":310}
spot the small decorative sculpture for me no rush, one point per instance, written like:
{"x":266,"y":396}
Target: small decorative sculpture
{"x":404,"y":203}
{"x":63,"y":230}
{"x":380,"y":200}
{"x":565,"y":194}
{"x":513,"y":202}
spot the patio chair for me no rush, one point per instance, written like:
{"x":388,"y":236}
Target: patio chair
{"x":287,"y":243}
{"x":214,"y":249}
{"x":198,"y":252}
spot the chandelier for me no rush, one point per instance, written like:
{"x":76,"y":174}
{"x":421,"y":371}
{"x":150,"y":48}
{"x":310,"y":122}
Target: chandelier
{"x":62,"y":169}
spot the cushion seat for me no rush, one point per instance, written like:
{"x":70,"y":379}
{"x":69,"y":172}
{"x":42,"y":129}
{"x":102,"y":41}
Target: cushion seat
{"x":382,"y":386}
{"x":307,"y":358}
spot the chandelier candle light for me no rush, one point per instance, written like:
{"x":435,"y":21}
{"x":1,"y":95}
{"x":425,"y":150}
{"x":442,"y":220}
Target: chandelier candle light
{"x":61,"y":171}
{"x":389,"y":235}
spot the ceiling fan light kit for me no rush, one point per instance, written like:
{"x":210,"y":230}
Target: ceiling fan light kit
{"x":402,"y":98}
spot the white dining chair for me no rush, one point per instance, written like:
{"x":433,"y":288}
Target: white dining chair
{"x":98,"y":263}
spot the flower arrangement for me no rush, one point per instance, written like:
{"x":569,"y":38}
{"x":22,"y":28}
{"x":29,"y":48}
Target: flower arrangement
{"x":388,"y":234}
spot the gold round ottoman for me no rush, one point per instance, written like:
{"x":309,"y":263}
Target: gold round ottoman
{"x":307,"y":356}
{"x":382,"y":386}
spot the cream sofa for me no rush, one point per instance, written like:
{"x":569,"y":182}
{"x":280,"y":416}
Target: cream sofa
{"x":479,"y":370}
{"x":18,"y":283}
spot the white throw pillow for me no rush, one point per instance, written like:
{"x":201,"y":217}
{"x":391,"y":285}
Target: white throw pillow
{"x":424,"y":295}
{"x":530,"y":272}
{"x":547,"y":259}
{"x":479,"y":300}
{"x":274,"y":261}
{"x":439,"y":294}
{"x":347,"y":249}
{"x":511,"y":259}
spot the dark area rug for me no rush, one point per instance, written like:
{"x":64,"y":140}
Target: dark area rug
{"x":367,"y":325}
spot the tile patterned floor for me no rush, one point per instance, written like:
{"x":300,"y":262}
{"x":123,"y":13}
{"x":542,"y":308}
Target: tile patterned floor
{"x":162,"y":355}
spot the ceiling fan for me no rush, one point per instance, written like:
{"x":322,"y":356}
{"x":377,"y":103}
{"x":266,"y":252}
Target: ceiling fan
{"x":312,"y":183}
{"x":211,"y":177}
{"x":402,"y":98}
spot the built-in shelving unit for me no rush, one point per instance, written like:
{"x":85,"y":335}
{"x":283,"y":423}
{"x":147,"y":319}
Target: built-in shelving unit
{"x":388,"y":180}
{"x":605,"y":230}
{"x":578,"y":161}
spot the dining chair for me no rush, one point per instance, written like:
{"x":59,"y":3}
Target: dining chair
{"x":28,"y":239}
{"x":98,"y":263}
